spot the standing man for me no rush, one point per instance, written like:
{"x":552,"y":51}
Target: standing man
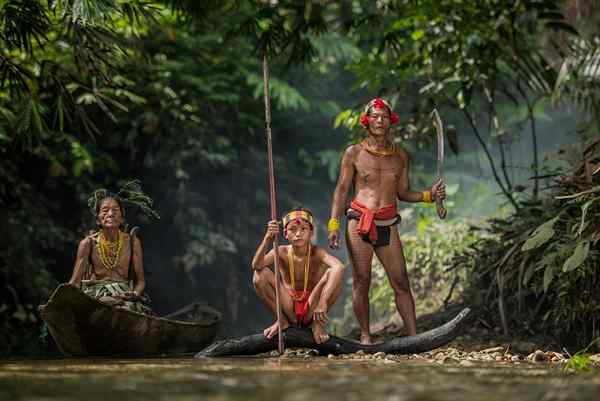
{"x":379,"y":172}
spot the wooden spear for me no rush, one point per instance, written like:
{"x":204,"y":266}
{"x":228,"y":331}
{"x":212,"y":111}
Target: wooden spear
{"x":267,"y":97}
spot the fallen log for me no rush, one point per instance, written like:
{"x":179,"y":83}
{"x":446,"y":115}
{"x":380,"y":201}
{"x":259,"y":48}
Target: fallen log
{"x":296,"y":337}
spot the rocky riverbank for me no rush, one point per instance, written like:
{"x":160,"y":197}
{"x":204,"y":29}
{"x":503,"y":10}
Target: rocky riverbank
{"x":482,"y":343}
{"x":498,"y":355}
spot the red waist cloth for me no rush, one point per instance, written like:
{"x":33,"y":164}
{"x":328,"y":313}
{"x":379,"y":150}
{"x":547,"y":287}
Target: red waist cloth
{"x":301,"y":306}
{"x":366,"y":224}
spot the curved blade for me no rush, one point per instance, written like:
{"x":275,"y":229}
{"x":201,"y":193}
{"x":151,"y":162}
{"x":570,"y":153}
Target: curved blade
{"x":439,"y":129}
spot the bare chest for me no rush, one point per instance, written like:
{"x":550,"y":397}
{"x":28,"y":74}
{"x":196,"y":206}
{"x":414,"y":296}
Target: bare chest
{"x":111,"y":263}
{"x":297,"y":274}
{"x":372,"y":169}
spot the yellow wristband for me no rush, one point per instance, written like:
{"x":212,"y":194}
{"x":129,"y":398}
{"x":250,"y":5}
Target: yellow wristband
{"x":333,"y":224}
{"x":427,"y":196}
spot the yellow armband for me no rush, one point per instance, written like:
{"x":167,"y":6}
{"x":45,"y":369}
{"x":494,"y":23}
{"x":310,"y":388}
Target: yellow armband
{"x":333,"y":224}
{"x":427,"y":198}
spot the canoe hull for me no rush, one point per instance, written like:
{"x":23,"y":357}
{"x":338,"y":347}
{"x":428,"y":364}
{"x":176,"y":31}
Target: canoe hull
{"x":84,"y":326}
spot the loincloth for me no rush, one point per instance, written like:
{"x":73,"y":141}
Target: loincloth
{"x":301,"y":307}
{"x":107,"y":291}
{"x":374,"y":228}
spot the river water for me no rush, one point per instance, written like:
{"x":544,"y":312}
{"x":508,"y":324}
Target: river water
{"x":280,"y":379}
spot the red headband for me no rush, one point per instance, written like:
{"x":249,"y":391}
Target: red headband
{"x":378,"y":103}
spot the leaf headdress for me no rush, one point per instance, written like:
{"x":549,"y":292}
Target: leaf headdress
{"x":130,"y":193}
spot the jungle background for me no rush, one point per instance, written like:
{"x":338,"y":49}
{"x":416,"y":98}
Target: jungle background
{"x":95,"y":93}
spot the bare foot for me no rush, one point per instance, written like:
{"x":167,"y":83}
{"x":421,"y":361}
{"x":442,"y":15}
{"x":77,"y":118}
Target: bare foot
{"x":319,"y":333}
{"x":365,"y":339}
{"x":272,"y":330}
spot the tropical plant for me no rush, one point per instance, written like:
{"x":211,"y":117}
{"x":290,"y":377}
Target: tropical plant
{"x":540,"y":276}
{"x":472,"y":58}
{"x":437,"y":265}
{"x":179,"y":106}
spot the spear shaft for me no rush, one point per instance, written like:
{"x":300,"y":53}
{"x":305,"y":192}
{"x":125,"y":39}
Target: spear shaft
{"x":271,"y":169}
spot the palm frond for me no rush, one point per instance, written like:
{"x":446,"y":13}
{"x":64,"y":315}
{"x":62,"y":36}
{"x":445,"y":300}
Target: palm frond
{"x":15,"y":77}
{"x":23,"y":22}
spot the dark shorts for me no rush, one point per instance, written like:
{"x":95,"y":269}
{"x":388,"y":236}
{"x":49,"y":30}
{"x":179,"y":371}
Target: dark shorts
{"x":383,"y":231}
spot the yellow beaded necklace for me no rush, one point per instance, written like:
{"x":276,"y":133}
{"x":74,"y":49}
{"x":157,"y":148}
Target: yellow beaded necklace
{"x":109,"y":251}
{"x":292,"y":271}
{"x":380,"y":153}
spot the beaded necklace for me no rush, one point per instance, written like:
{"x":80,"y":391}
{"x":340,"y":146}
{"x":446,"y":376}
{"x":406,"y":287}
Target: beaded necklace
{"x":379,"y":153}
{"x":109,"y":251}
{"x":292,"y":271}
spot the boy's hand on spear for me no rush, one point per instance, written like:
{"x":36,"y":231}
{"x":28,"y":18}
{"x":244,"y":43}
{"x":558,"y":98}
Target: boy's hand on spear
{"x":272,"y":230}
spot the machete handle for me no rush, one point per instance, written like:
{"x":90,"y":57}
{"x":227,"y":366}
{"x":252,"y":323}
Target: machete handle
{"x":441,"y":210}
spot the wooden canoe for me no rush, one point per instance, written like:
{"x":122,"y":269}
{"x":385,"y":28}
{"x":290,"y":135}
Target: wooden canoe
{"x":83,"y":326}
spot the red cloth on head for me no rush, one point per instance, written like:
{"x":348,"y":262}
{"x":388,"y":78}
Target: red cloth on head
{"x":301,"y":306}
{"x":366,"y":224}
{"x":364,"y":120}
{"x":378,"y":103}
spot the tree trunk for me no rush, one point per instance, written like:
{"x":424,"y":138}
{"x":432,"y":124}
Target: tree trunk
{"x":296,"y":337}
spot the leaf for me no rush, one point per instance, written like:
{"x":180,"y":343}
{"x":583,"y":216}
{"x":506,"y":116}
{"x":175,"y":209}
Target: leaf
{"x":342,"y":117}
{"x":548,"y":276}
{"x":60,"y":113}
{"x":36,"y":113}
{"x":452,"y":189}
{"x":134,"y":98}
{"x":508,"y":255}
{"x":3,"y":135}
{"x":82,"y":160}
{"x":578,"y":257}
{"x":563,"y":75}
{"x":562,"y":26}
{"x":460,"y":98}
{"x":264,"y":23}
{"x":541,"y":235}
{"x":584,"y":210}
{"x":418,"y":34}
{"x":422,"y":225}
{"x":578,"y":194}
{"x":528,"y":273}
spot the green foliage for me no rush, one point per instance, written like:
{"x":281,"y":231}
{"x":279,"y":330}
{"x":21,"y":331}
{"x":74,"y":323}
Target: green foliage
{"x":160,"y":91}
{"x":130,"y":193}
{"x":284,"y":95}
{"x":93,"y":92}
{"x":436,"y":266}
{"x":481,"y":60}
{"x":579,"y":80}
{"x":580,"y":362}
{"x":542,"y":266}
{"x":489,"y":62}
{"x":541,"y":235}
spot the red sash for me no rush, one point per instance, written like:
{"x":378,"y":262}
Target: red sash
{"x":301,"y":306}
{"x":366,"y":224}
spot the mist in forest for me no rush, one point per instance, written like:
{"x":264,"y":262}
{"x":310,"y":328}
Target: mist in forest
{"x":473,"y":196}
{"x":174,"y":99}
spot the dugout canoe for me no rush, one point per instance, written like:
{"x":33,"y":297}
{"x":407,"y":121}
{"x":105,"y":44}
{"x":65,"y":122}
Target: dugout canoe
{"x":83,"y":326}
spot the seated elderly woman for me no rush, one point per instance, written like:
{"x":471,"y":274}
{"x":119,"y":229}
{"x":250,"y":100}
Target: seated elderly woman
{"x":109,"y":265}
